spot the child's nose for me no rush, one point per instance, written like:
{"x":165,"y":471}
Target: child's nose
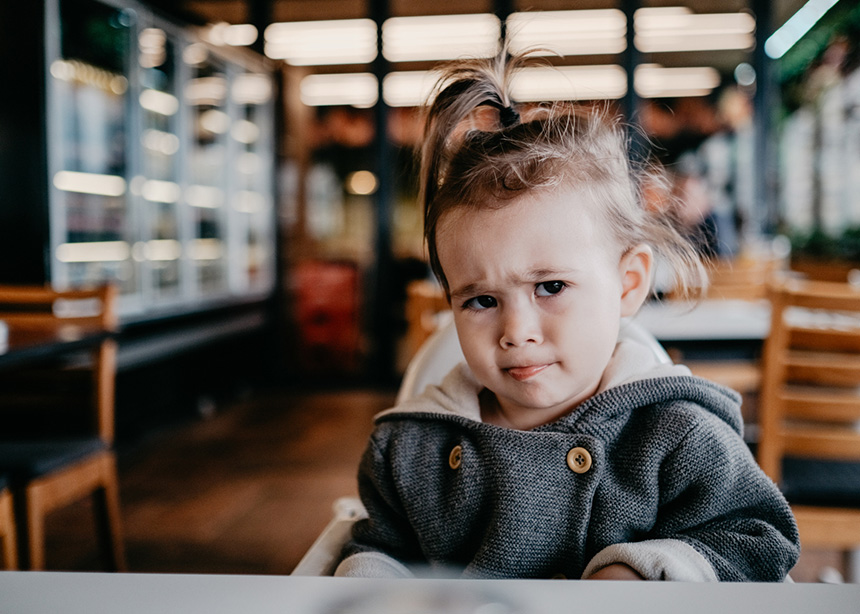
{"x":521,"y":325}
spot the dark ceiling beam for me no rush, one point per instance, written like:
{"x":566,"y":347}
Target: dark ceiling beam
{"x":260,"y":13}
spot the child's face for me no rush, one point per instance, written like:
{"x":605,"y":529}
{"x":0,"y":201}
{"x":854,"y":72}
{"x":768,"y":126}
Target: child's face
{"x":538,"y":289}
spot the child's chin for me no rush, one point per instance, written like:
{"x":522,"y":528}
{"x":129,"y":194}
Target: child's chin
{"x":541,"y":403}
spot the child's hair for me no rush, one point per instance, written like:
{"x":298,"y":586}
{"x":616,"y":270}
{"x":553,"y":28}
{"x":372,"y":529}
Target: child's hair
{"x":482,"y":149}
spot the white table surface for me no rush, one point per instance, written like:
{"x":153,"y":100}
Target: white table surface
{"x":709,"y":320}
{"x":94,"y":593}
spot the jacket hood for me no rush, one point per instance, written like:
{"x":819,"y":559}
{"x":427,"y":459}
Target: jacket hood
{"x":634,"y":377}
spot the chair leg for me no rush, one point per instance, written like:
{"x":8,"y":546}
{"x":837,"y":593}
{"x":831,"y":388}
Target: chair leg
{"x":98,"y":478}
{"x":33,"y":546}
{"x":7,"y":521}
{"x":108,"y":519}
{"x":852,"y":565}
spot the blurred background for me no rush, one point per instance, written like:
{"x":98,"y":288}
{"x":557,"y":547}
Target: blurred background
{"x":245,"y":171}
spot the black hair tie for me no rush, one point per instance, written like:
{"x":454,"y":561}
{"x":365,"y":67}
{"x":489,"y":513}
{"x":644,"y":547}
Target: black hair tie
{"x":508,"y":116}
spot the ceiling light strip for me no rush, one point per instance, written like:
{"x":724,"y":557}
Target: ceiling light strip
{"x":565,"y":33}
{"x":355,"y":89}
{"x":440,"y":37}
{"x":311,"y":43}
{"x":579,"y":32}
{"x":797,"y":25}
{"x":569,"y":83}
{"x":655,"y":81}
{"x":704,"y":41}
{"x":676,"y":31}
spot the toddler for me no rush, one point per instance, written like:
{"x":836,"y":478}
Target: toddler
{"x":556,"y":449}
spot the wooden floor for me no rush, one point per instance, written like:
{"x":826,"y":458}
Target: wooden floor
{"x":245,"y":491}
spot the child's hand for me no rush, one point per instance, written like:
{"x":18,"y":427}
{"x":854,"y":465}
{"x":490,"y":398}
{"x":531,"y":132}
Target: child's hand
{"x":616,"y":571}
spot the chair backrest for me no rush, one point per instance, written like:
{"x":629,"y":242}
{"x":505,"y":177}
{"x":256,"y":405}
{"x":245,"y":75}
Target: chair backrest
{"x":742,"y":278}
{"x":71,"y":313}
{"x":810,"y":404}
{"x":34,"y":306}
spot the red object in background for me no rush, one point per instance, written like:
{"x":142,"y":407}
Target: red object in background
{"x":327,"y":307}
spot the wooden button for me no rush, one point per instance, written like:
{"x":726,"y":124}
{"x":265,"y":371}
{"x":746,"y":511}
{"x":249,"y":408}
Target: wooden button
{"x":579,"y":460}
{"x":456,"y":457}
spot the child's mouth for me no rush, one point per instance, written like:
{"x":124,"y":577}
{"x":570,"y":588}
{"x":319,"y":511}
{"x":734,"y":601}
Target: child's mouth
{"x":523,"y":373}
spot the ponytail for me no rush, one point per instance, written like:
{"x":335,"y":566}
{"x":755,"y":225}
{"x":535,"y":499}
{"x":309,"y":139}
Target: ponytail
{"x":463,"y":92}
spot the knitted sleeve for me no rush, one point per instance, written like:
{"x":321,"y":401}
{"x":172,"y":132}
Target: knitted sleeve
{"x":383,"y":541}
{"x":716,"y":499}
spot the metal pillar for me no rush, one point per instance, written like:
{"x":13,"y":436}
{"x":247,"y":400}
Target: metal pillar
{"x":766,"y":98}
{"x":382,"y":363}
{"x":631,"y":59}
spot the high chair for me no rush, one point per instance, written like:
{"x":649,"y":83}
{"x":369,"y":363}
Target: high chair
{"x":436,"y":357}
{"x":810,"y":409}
{"x":48,"y":464}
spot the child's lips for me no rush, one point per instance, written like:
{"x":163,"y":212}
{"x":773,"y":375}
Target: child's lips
{"x":527,"y":372}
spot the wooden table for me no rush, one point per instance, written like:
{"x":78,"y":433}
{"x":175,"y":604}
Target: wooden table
{"x":711,"y":330}
{"x":710,"y":320}
{"x":93,"y":593}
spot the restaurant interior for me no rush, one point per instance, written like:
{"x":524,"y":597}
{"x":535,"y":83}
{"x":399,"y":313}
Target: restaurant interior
{"x":213,"y":271}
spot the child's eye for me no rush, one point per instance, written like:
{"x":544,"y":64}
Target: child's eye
{"x":481,"y":302}
{"x":548,"y":288}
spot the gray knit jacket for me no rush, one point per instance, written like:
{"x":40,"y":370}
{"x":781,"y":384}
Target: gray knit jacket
{"x":670,"y":488}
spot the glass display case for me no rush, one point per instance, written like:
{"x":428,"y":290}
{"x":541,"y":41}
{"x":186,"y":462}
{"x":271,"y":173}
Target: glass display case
{"x":158,"y":192}
{"x":91,"y":228}
{"x":159,"y":154}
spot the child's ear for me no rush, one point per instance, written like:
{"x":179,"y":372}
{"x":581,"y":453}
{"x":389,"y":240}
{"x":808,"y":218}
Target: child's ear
{"x":635,"y":269}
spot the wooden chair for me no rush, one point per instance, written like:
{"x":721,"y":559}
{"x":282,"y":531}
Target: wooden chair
{"x":49,"y":470}
{"x":7,"y":527}
{"x":810,"y":409}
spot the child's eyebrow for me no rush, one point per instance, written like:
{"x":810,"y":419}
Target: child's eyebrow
{"x":548,"y":274}
{"x":537,"y":275}
{"x":469,"y":290}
